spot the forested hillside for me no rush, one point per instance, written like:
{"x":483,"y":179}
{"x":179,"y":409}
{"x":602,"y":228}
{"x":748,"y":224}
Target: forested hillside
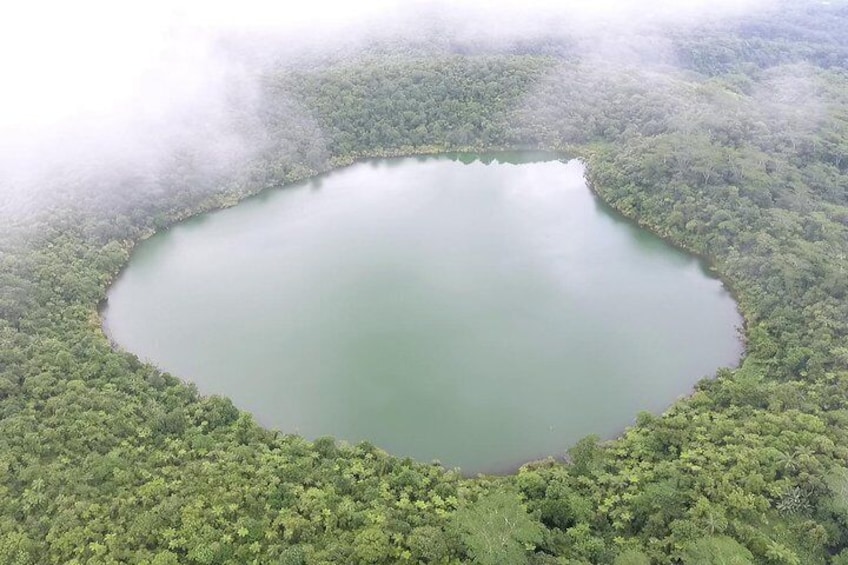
{"x":738,"y":153}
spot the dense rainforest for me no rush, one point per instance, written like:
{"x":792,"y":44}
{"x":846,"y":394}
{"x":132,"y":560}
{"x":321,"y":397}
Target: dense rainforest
{"x":732,"y":144}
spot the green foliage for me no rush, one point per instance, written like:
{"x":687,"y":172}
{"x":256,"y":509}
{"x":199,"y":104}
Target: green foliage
{"x":742,"y":161}
{"x":393,"y":104}
{"x":562,"y":507}
{"x":586,"y":456}
{"x":497,"y":530}
{"x":720,"y":550}
{"x":631,"y":557}
{"x":841,"y":559}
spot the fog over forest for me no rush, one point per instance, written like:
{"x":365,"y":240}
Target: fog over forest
{"x":96,"y":90}
{"x":719,"y":126}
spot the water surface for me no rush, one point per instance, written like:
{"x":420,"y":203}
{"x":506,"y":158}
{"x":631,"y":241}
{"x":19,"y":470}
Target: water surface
{"x":480,"y":313}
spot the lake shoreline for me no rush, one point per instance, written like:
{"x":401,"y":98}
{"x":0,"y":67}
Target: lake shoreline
{"x":483,"y":158}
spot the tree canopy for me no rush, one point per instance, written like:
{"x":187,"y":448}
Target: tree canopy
{"x":740,"y":157}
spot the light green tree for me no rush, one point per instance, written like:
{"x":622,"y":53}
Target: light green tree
{"x":717,"y":550}
{"x":497,"y":530}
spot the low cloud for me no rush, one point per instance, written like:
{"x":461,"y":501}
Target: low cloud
{"x":97,"y":85}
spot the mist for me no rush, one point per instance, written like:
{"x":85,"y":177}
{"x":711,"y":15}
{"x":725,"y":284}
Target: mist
{"x":96,"y":93}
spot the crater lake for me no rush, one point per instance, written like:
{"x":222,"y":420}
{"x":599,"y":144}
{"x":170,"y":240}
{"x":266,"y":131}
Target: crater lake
{"x":477,"y":310}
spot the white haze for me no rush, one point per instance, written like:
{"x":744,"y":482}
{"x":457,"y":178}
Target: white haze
{"x":118,"y":84}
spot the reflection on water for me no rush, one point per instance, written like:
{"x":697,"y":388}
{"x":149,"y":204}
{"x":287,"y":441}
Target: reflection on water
{"x":464,"y":308}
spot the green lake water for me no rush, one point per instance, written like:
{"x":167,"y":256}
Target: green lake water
{"x":483,"y":313}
